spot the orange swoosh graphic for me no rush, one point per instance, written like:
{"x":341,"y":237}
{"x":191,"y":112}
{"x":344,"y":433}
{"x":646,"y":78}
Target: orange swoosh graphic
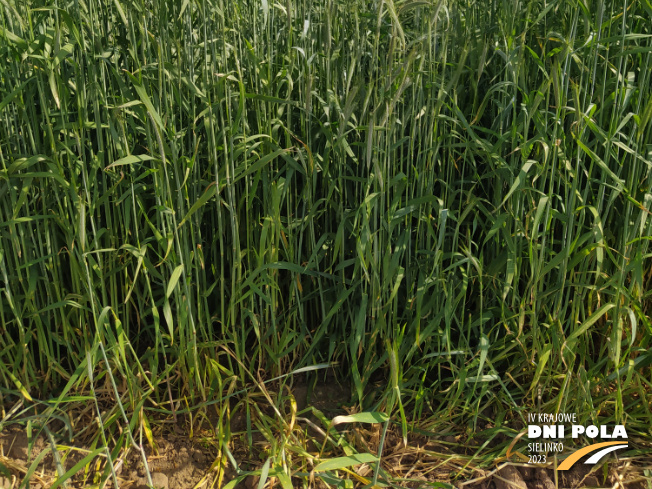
{"x":578,"y":454}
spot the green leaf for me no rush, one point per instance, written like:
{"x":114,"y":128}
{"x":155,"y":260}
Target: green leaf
{"x":205,"y":197}
{"x":129,"y":160}
{"x":366,"y":417}
{"x":264,"y":472}
{"x":77,"y":467}
{"x":233,"y":483}
{"x":19,"y":385}
{"x":260,"y":163}
{"x":543,"y":359}
{"x":519,"y":180}
{"x":286,"y":481}
{"x":9,"y":98}
{"x":601,"y":164}
{"x":342,"y":462}
{"x":590,"y":321}
{"x":173,"y":280}
{"x":484,"y":349}
{"x":142,"y":93}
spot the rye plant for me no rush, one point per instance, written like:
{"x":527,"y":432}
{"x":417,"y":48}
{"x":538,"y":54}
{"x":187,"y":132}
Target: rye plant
{"x":448,"y":201}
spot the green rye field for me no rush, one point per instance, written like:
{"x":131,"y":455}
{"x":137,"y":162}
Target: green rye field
{"x":336,"y":243}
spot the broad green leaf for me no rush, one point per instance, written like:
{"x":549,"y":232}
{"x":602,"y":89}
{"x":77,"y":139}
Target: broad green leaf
{"x":129,"y":160}
{"x":590,"y":321}
{"x":520,"y":178}
{"x":174,"y":278}
{"x":286,"y":481}
{"x":366,"y":417}
{"x":142,"y":93}
{"x":264,"y":472}
{"x":259,"y":164}
{"x":342,"y":462}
